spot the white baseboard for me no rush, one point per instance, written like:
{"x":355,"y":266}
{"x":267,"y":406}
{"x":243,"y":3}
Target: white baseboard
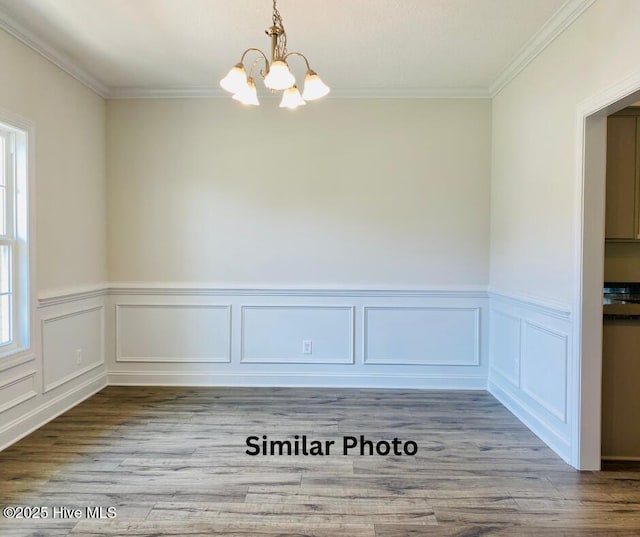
{"x":51,"y":409}
{"x":539,"y":427}
{"x":286,"y":380}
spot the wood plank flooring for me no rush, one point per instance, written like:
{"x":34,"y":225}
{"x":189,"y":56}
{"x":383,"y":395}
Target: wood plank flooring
{"x":172,"y":462}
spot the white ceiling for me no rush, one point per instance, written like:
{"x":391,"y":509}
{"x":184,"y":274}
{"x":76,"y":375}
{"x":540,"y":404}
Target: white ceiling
{"x":359,"y":47}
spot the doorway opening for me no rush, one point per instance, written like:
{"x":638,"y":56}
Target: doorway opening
{"x":621,"y":319}
{"x":586,"y":392}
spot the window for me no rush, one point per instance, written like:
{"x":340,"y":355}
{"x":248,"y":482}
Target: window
{"x":14,"y":258}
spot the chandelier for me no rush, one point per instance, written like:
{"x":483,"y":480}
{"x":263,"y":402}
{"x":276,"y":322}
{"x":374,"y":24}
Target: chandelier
{"x":276,"y":73}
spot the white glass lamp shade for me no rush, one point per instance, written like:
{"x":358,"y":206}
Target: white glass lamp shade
{"x":248,"y":95}
{"x":279,"y":77}
{"x":291,"y":98}
{"x":236,"y":79}
{"x":314,"y":88}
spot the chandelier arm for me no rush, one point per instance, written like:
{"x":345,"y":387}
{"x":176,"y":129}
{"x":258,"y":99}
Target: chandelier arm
{"x":298,"y":54}
{"x":254,"y":63}
{"x":266,"y":60}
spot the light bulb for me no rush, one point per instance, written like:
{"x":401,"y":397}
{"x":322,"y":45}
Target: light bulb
{"x":279,"y":77}
{"x":314,"y":88}
{"x":249,"y":94}
{"x":236,"y":79}
{"x":291,"y":98}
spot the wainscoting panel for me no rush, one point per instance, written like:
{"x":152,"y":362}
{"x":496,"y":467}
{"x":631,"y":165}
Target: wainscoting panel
{"x":417,"y":339}
{"x":275,"y":334}
{"x":63,"y":366}
{"x":17,"y":389}
{"x":163,"y":334}
{"x":505,"y":345}
{"x":72,"y":344}
{"x":173,"y":333}
{"x":544,"y":368}
{"x":529,"y":365}
{"x":423,"y":336}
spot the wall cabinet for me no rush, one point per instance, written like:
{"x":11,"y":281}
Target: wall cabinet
{"x":623,"y":175}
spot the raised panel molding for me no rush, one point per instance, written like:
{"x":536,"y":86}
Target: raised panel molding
{"x":147,"y":334}
{"x":283,"y":344}
{"x":544,"y":368}
{"x":15,"y":361}
{"x":540,"y":400}
{"x":506,"y":346}
{"x":17,"y":389}
{"x":48,"y":358}
{"x":49,"y":409}
{"x":68,"y":378}
{"x":459,"y":338}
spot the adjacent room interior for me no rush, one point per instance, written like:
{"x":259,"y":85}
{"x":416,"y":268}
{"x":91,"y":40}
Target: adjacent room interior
{"x":419,"y":255}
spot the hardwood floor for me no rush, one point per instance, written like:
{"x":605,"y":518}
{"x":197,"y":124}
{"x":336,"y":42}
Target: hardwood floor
{"x":172,"y":461}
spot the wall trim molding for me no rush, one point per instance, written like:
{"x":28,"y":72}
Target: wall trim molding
{"x":210,"y":92}
{"x":49,"y":410}
{"x":559,"y":310}
{"x":310,"y":360}
{"x":525,"y":396}
{"x":358,"y":375}
{"x":53,"y":54}
{"x":55,"y":297}
{"x":369,"y":361}
{"x":23,"y":397}
{"x":15,"y":361}
{"x":495,"y":375}
{"x":89,"y":367}
{"x":554,"y":26}
{"x":537,"y":424}
{"x":493,"y":368}
{"x":52,"y":386}
{"x":292,"y":379}
{"x":168,"y":289}
{"x":558,"y":23}
{"x":163,"y":359}
{"x":562,"y":336}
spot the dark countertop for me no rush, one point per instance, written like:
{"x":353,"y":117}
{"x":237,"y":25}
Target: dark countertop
{"x":621,"y":300}
{"x":618,"y":310}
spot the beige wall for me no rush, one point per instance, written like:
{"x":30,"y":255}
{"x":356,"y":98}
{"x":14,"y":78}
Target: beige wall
{"x":343,"y":192}
{"x":534,"y":178}
{"x":69,"y":165}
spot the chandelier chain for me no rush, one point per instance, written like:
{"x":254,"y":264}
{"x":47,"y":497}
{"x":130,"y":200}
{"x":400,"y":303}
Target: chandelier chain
{"x":282,"y":37}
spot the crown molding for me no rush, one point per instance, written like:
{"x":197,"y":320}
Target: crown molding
{"x":52,"y":54}
{"x":557,"y":24}
{"x":568,"y":13}
{"x":337,"y":93}
{"x":193,"y":92}
{"x":411,"y":93}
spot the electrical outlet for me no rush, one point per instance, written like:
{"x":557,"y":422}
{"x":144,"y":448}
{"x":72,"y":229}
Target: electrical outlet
{"x":307,"y":346}
{"x":78,"y":356}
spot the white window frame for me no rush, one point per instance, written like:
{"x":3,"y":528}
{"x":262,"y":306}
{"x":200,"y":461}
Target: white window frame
{"x":8,"y":238}
{"x":18,"y":136}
